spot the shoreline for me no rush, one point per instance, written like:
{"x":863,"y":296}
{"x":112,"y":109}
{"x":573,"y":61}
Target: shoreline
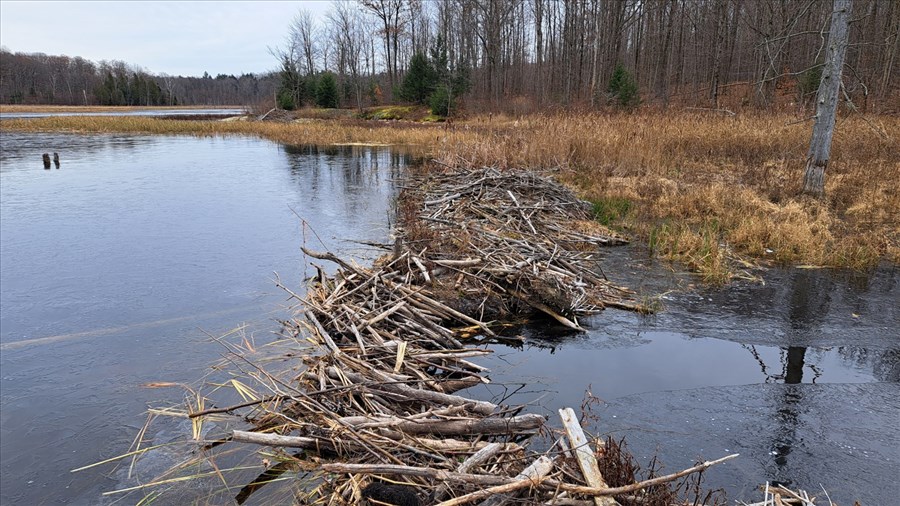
{"x":718,"y":195}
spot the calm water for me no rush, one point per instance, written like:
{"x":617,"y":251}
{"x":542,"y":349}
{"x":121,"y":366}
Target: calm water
{"x":801,"y":376}
{"x":153,"y":112}
{"x":118,"y":266}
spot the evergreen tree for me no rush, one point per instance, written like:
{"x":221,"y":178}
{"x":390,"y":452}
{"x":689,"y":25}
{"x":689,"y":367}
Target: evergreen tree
{"x":441,"y":101}
{"x":327,"y":91}
{"x":439,"y":63}
{"x":419,"y":81}
{"x":623,"y":88}
{"x":291,"y":88}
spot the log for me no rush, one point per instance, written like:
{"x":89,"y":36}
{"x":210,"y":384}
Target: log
{"x":332,"y":444}
{"x":530,"y":476}
{"x":483,"y":426}
{"x":421,"y":472}
{"x":482,"y":407}
{"x":307,"y":443}
{"x":475,"y":460}
{"x":587,"y":462}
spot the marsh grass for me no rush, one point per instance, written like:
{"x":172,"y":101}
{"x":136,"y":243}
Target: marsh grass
{"x":704,"y":190}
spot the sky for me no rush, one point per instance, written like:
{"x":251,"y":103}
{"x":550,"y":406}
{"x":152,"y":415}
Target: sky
{"x":177,"y":38}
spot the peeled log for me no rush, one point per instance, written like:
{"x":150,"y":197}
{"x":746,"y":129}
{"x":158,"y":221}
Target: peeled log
{"x":485,"y":426}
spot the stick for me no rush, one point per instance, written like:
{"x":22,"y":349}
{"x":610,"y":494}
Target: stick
{"x":529,"y":477}
{"x":422,"y":268}
{"x":545,"y":309}
{"x":481,"y":407}
{"x":491,"y":480}
{"x":325,"y":336}
{"x":229,"y":409}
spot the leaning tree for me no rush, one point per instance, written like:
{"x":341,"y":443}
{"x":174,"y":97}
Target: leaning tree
{"x":827,"y":99}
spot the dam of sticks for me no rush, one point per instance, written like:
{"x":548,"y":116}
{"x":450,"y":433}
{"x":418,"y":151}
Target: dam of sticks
{"x":372,"y":410}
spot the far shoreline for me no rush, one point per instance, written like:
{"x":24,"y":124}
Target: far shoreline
{"x":36,"y":108}
{"x":717,"y":194}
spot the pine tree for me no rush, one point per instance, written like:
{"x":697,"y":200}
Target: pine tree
{"x":419,"y":81}
{"x":623,"y":88}
{"x":327,"y":91}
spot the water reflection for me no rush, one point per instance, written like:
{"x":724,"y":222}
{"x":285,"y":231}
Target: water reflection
{"x":789,"y":374}
{"x":117,"y":266}
{"x":139,"y":112}
{"x":361,"y":170}
{"x":74,"y":149}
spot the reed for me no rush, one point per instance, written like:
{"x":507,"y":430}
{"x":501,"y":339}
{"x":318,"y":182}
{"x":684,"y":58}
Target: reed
{"x":702,"y":189}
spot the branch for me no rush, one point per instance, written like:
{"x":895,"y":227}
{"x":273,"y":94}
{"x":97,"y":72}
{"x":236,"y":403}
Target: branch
{"x":492,"y":480}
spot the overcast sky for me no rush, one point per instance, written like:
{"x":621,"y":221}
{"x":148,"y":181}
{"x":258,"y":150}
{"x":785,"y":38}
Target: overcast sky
{"x":178,"y":38}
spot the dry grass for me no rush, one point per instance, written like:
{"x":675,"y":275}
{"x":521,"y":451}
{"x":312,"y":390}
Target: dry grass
{"x":702,"y":189}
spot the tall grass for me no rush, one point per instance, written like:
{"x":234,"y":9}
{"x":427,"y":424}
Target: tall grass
{"x":702,"y":189}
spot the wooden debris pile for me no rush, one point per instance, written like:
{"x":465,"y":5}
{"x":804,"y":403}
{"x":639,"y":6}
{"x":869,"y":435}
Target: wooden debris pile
{"x":512,"y":240}
{"x":375,"y":403}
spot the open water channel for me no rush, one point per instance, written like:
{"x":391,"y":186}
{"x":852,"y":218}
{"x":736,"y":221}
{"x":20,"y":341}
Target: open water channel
{"x":117,"y":267}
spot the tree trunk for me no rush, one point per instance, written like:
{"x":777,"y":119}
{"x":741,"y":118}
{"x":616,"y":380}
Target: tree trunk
{"x":827,"y":100}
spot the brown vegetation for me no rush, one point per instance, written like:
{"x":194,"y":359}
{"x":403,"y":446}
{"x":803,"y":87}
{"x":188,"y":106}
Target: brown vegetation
{"x":698,"y":187}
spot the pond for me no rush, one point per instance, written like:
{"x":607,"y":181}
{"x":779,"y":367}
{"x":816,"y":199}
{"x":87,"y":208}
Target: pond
{"x":800,"y":375}
{"x":135,"y":112}
{"x":119,"y":266}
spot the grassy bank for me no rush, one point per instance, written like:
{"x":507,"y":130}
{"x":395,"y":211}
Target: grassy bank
{"x":702,"y":189}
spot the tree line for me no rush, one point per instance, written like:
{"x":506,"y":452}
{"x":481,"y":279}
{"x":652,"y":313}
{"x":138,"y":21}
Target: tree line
{"x":520,"y":55}
{"x":37,"y":78}
{"x":581,"y":52}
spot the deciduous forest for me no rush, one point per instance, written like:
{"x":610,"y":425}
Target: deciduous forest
{"x":518,"y":56}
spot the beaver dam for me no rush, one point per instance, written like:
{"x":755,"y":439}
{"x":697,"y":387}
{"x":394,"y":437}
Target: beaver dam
{"x":366,"y":408}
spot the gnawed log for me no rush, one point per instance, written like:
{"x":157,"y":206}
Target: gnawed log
{"x":587,"y":462}
{"x":503,"y":494}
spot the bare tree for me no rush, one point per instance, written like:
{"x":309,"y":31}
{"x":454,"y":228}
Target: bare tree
{"x":390,"y":12}
{"x":348,"y":29}
{"x":827,"y":99}
{"x":303,"y":38}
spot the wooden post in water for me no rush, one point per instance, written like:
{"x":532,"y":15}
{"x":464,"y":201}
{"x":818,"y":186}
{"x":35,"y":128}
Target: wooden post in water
{"x":46,"y":160}
{"x":56,"y":159}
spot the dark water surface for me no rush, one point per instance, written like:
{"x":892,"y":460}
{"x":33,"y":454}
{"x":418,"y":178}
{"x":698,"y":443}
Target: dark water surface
{"x":116,"y":267}
{"x":800,"y":375}
{"x":137,"y":112}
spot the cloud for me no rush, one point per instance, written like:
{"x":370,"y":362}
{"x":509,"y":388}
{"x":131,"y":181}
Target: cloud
{"x":179,"y":38}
